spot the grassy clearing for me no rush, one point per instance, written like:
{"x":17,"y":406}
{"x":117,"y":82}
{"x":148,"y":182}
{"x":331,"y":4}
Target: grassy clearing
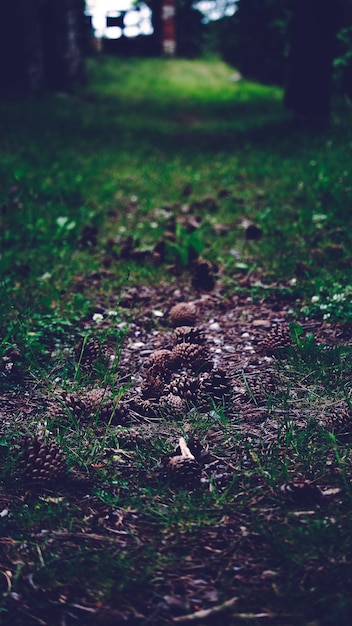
{"x":120,"y":186}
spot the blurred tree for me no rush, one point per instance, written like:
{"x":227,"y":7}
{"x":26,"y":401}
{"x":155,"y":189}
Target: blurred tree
{"x":41,"y":44}
{"x":312,"y":35}
{"x":189,"y":29}
{"x":254,"y":39}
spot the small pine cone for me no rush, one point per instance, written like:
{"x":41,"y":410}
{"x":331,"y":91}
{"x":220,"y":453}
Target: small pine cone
{"x":339,"y":422}
{"x":195,"y":447}
{"x":129,"y":437}
{"x":172,"y":404}
{"x":161,"y":359}
{"x":183,"y":314}
{"x":217,"y":384}
{"x":188,"y":334}
{"x":302,"y":492}
{"x":121,"y":415}
{"x":40,"y":461}
{"x":143,"y":406}
{"x":183,"y":471}
{"x":152,"y":387}
{"x":262,"y":387}
{"x":193,"y":355}
{"x":79,"y":406}
{"x":105,"y":407}
{"x":277,"y":339}
{"x":186,"y":387}
{"x":89,"y":352}
{"x":203,"y":275}
{"x":11,"y":364}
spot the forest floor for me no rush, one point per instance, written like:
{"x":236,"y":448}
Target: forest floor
{"x":163,"y":466}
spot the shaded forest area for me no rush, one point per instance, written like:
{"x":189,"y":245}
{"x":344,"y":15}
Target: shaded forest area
{"x":175,"y":324}
{"x":306,"y":47}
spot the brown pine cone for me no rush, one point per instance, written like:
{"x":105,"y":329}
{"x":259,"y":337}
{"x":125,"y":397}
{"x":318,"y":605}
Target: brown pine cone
{"x":107,"y":408}
{"x":183,"y":471}
{"x":129,"y":437}
{"x":203,"y":275}
{"x":217,"y":385}
{"x":75,"y":404}
{"x":277,"y":339}
{"x":152,"y":387}
{"x":41,"y":461}
{"x":188,"y":334}
{"x":193,"y":355}
{"x":161,"y":359}
{"x":183,"y":314}
{"x":262,"y":387}
{"x":172,"y":405}
{"x":88,"y":352}
{"x":144,"y":406}
{"x":186,"y":387}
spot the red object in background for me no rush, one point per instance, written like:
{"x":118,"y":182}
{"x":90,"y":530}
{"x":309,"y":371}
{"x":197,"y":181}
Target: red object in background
{"x":168,"y":27}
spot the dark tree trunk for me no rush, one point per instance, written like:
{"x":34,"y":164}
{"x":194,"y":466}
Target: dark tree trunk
{"x":41,"y":44}
{"x":312,"y":46}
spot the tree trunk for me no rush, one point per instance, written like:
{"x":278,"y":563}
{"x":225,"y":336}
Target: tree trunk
{"x":41,"y":44}
{"x":312,"y":45}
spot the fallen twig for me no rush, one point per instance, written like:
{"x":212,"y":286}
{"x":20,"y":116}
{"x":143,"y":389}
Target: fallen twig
{"x":205,"y":612}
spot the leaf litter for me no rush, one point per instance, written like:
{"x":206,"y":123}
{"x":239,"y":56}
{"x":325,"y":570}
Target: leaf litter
{"x":223,"y":565}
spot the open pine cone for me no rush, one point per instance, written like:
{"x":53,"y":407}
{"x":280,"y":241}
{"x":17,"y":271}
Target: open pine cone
{"x":186,"y":387}
{"x":193,"y":355}
{"x":262,"y":386}
{"x":90,"y":352}
{"x":41,"y":461}
{"x":152,"y":387}
{"x":172,"y":405}
{"x":217,"y":385}
{"x":78,"y":405}
{"x":203,"y":275}
{"x":182,"y":469}
{"x":160,"y":359}
{"x":188,"y":334}
{"x":277,"y":339}
{"x":183,"y":314}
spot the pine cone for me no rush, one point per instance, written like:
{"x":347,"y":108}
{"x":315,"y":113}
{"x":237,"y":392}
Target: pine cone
{"x":11,"y":364}
{"x":262,"y":387}
{"x":161,"y":359}
{"x":41,"y":461}
{"x":195,"y":447}
{"x":217,"y":384}
{"x":183,"y":471}
{"x":193,"y":355}
{"x":302,"y":492}
{"x":106,"y":408}
{"x":129,"y":437}
{"x":183,"y":314}
{"x":152,"y":387}
{"x":143,"y":406}
{"x":172,"y":405}
{"x":89,"y":352}
{"x":186,"y":387}
{"x":78,"y":405}
{"x":277,"y":339}
{"x":203,"y":275}
{"x":188,"y":334}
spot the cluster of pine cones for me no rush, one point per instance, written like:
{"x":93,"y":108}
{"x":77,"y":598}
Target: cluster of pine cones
{"x":175,"y":380}
{"x":182,"y":376}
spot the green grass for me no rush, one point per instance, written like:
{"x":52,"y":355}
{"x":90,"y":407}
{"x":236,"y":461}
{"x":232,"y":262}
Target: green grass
{"x":145,"y":143}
